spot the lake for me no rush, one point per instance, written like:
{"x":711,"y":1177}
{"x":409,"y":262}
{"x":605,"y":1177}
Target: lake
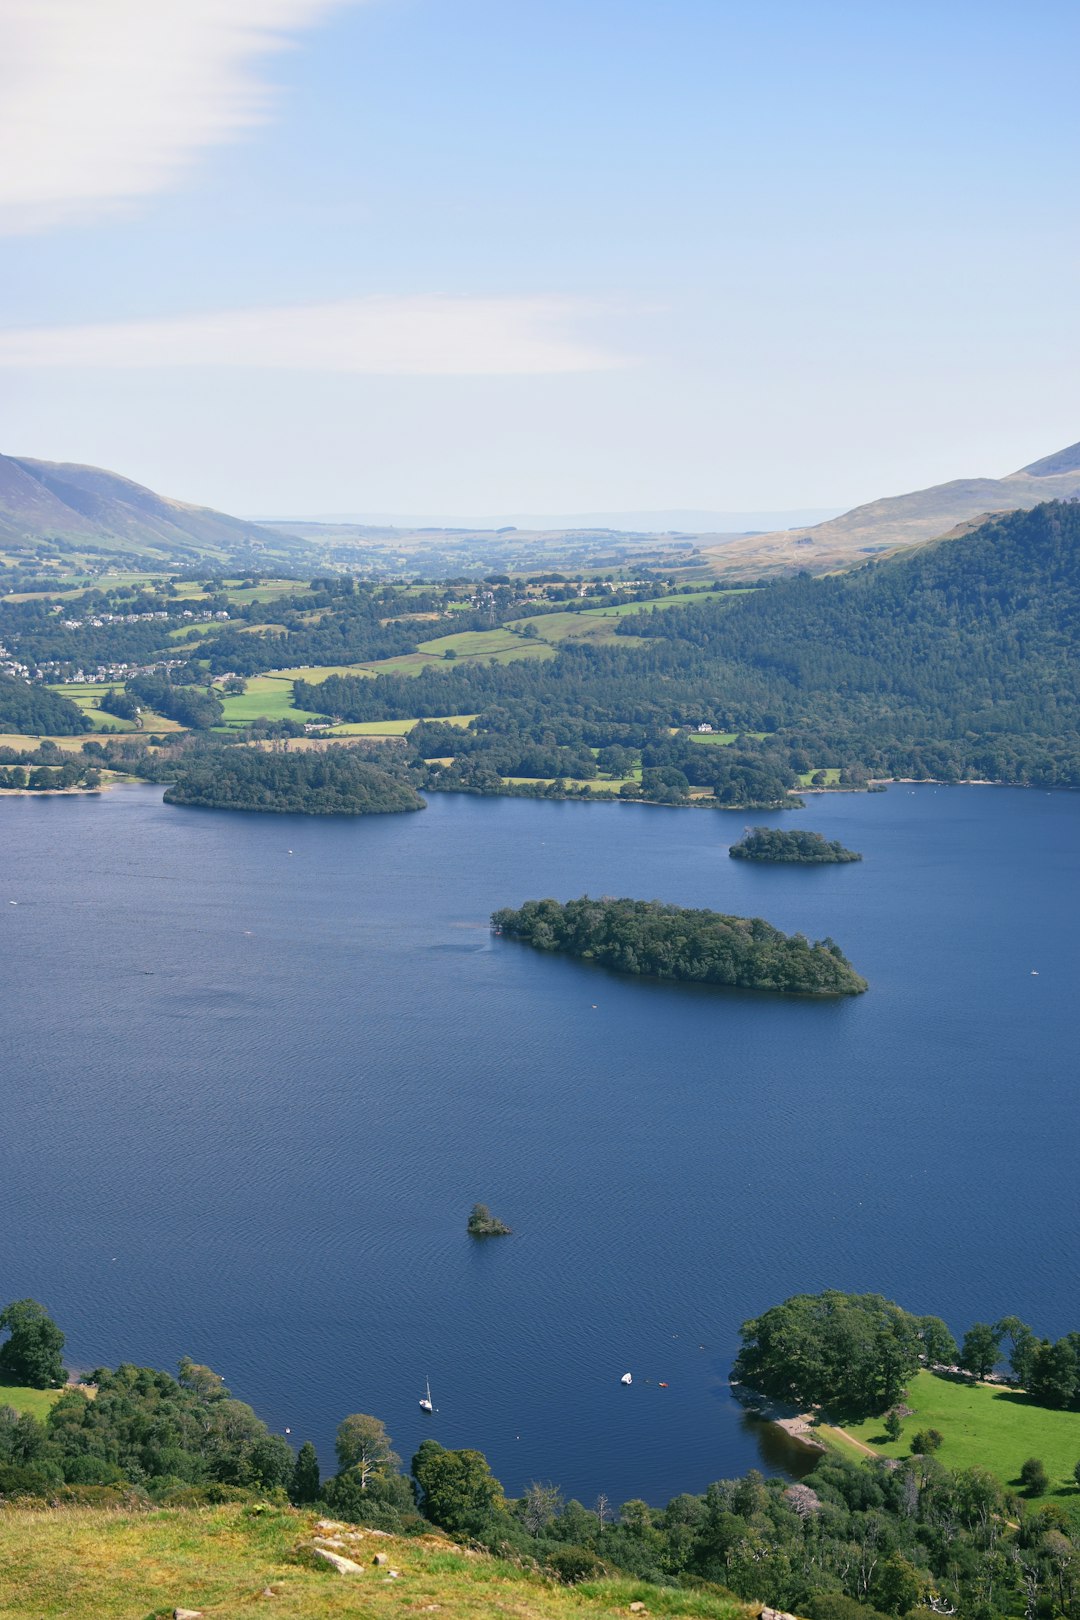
{"x":256,"y":1070}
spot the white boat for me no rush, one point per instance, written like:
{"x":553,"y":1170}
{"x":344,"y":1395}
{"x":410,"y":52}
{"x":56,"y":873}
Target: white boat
{"x":627,"y":1378}
{"x":425,"y":1399}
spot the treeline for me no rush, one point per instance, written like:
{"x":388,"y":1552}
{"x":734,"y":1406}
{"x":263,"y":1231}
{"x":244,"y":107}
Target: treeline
{"x":805,"y":848}
{"x":334,"y":781}
{"x":853,"y":1354}
{"x":671,"y":942}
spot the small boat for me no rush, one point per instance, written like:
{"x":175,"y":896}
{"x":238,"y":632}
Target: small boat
{"x":425,"y":1400}
{"x":627,"y":1378}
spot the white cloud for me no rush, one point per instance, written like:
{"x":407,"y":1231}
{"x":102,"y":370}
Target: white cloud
{"x":387,"y":336}
{"x":105,"y":101}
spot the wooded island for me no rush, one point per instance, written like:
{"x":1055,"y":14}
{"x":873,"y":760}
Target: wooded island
{"x":647,"y":937}
{"x":800,"y":848}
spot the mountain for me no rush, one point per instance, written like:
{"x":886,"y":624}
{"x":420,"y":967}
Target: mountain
{"x":899,"y":520}
{"x":91,"y":510}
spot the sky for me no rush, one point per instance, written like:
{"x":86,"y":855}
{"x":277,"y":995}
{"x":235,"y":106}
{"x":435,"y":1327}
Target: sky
{"x":303,"y":257}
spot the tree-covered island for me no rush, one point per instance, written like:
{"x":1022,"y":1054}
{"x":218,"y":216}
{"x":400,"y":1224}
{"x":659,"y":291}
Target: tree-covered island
{"x":662,"y":941}
{"x":334,"y":782}
{"x":799,"y":848}
{"x":482,"y":1223}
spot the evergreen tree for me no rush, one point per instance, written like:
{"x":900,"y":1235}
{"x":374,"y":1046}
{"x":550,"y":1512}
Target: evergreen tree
{"x":304,"y":1486}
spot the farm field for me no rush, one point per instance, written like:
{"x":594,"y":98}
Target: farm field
{"x":267,"y":697}
{"x":984,"y":1426}
{"x":395,"y":728}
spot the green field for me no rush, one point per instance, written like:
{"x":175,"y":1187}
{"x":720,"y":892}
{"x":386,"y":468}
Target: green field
{"x":86,"y":695}
{"x":832,"y":776}
{"x":35,"y":1401}
{"x":985,"y":1426}
{"x":394,"y":728}
{"x":268,"y":697}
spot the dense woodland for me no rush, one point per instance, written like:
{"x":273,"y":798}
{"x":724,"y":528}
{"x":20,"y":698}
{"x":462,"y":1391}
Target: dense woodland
{"x":332,"y":782}
{"x":853,"y":1540}
{"x":671,"y":942}
{"x":802,"y":848}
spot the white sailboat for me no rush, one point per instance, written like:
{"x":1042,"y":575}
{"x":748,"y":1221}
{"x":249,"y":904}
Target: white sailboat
{"x":425,"y":1399}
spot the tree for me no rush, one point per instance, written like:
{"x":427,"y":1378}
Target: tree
{"x":1022,"y":1347}
{"x":456,"y":1489}
{"x":981,"y":1348}
{"x":939,"y":1346}
{"x":893,"y":1425}
{"x":362,"y":1444}
{"x":304,"y":1485}
{"x":1033,"y":1477}
{"x":926,"y":1442}
{"x":32,"y":1354}
{"x":539,"y":1506}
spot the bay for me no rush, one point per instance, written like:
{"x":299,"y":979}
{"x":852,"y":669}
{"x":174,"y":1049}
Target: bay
{"x":256,"y":1069}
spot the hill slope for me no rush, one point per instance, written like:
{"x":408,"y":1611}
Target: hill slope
{"x":233,"y":1562}
{"x":900,"y":520}
{"x":104,"y":512}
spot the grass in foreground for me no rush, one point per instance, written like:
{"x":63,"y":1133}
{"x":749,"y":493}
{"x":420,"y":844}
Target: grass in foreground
{"x":114,"y":1564}
{"x":984,"y":1426}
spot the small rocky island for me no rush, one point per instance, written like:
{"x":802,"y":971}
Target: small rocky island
{"x":797,"y":848}
{"x":482,"y":1223}
{"x":647,"y":937}
{"x":332,"y":782}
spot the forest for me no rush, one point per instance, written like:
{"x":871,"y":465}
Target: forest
{"x":332,"y":782}
{"x":672,"y":942}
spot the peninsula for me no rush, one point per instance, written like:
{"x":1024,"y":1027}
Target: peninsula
{"x":647,"y":937}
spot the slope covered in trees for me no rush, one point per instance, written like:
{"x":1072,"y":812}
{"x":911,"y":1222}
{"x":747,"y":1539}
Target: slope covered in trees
{"x":35,"y":711}
{"x":671,"y":942}
{"x":958,"y":661}
{"x":330,"y":783}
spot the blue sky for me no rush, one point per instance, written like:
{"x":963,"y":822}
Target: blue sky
{"x":459,"y":256}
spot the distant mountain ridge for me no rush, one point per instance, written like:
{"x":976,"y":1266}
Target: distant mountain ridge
{"x":43,"y":501}
{"x":900,"y":520}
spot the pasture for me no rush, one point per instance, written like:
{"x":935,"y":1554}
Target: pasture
{"x":983,"y":1426}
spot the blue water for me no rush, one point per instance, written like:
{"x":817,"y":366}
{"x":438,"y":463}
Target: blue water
{"x":250,"y":1096}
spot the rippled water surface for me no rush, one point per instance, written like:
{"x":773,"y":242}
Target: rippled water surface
{"x":257,"y":1069}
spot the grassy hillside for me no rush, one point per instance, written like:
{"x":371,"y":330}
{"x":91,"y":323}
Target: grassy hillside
{"x":897,"y":520}
{"x":234,"y":1562}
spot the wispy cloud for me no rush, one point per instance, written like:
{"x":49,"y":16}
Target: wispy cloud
{"x":106,"y":101}
{"x":380,"y":336}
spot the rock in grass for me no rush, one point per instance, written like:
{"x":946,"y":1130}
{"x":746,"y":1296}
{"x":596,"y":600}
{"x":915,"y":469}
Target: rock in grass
{"x":344,"y":1566}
